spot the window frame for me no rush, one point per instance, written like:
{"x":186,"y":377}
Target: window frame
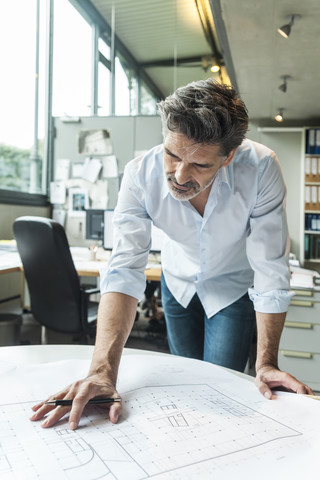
{"x":98,"y":24}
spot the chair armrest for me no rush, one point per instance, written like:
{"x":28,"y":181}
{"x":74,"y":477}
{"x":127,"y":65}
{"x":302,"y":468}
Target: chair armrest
{"x":90,"y":291}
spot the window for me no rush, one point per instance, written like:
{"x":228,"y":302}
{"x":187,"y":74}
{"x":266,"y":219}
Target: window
{"x":72,"y":68}
{"x":122,"y":94}
{"x":17,"y":95}
{"x":104,"y":75}
{"x":103,"y":90}
{"x":148,"y":104}
{"x":22,"y":118}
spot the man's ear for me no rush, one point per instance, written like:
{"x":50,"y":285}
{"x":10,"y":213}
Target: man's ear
{"x":229,"y":157}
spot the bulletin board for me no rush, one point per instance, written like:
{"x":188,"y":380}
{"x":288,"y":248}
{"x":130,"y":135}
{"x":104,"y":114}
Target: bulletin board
{"x":128,"y":137}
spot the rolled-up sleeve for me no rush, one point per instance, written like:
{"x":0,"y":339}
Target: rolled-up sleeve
{"x":131,"y":242}
{"x":276,"y":301}
{"x":268,"y":242}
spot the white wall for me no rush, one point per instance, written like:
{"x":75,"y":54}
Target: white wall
{"x":288,"y":146}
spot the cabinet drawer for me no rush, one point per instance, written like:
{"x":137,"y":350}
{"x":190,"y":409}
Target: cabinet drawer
{"x":307,"y":294}
{"x":304,"y":310}
{"x":307,"y":370}
{"x":301,"y":336}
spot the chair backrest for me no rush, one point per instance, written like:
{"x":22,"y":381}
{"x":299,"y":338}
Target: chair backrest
{"x":53,"y":282}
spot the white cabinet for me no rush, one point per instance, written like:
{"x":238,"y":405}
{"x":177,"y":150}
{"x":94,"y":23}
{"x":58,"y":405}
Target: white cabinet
{"x":299,"y":352}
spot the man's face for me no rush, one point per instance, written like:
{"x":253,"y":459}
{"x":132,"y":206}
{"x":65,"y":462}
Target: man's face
{"x":190,"y":168}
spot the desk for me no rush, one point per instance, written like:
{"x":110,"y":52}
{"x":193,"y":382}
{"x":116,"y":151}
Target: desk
{"x":190,"y":419}
{"x":24,"y":354}
{"x":11,"y":262}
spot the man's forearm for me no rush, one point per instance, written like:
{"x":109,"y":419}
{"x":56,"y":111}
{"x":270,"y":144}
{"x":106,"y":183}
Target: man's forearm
{"x":115,"y":320}
{"x":269,"y":329}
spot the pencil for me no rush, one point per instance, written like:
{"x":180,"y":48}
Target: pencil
{"x":93,"y":401}
{"x":315,"y":397}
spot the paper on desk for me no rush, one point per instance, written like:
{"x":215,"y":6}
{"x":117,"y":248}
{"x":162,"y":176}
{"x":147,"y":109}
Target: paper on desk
{"x":181,"y":419}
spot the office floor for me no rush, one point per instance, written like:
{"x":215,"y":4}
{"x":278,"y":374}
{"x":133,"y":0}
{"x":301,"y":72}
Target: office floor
{"x":147,"y":333}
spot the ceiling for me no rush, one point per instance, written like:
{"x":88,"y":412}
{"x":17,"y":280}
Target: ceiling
{"x":160,"y":32}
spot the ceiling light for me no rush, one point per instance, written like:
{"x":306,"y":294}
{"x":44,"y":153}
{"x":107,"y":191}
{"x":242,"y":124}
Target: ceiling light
{"x":210,"y":63}
{"x":286,"y":29}
{"x":283,"y":86}
{"x":215,"y":68}
{"x":279,"y":116}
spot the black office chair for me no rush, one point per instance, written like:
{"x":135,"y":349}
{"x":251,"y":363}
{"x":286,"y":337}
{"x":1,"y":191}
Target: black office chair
{"x":58,"y":301}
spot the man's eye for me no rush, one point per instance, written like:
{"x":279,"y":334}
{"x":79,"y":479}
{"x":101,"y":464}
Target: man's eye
{"x":200,"y":165}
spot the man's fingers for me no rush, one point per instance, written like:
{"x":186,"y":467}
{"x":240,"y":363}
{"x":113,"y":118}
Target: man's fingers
{"x":55,"y":416}
{"x":273,"y":378}
{"x":263,"y":388}
{"x":305,"y":390}
{"x":115,"y":412}
{"x":78,"y":404}
{"x":58,"y":396}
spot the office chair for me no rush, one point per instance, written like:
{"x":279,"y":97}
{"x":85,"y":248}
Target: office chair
{"x":58,"y":301}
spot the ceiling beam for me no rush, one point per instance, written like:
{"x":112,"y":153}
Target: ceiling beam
{"x":223,"y":40}
{"x":170,"y":62}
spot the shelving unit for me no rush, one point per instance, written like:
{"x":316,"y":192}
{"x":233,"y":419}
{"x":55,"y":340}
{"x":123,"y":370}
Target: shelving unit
{"x":299,"y":351}
{"x":310,"y":247}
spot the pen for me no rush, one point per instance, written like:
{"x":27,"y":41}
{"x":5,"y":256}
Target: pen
{"x":315,"y":397}
{"x":93,"y":401}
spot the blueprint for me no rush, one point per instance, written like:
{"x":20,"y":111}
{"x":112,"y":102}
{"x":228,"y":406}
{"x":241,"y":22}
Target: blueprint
{"x":182,"y":419}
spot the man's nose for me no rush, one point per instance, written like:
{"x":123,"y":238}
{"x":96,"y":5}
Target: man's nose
{"x":182,"y":173}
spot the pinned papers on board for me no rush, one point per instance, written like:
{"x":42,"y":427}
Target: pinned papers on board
{"x":59,"y":215}
{"x":110,"y":167}
{"x":57,"y":192}
{"x":62,"y":171}
{"x":91,"y":169}
{"x":94,"y":142}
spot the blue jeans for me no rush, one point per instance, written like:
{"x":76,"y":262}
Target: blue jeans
{"x":224,"y":339}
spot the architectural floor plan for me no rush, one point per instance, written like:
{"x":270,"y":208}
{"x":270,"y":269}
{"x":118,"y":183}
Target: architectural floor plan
{"x":167,"y":431}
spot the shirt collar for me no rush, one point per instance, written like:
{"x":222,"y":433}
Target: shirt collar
{"x":227,"y":175}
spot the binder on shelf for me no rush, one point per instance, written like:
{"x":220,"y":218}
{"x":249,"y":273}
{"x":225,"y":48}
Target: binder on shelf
{"x":317,"y":141}
{"x":307,"y":247}
{"x":314,"y":197}
{"x":314,"y":222}
{"x":314,"y":169}
{"x":307,"y":169}
{"x":310,"y":138}
{"x":307,"y":197}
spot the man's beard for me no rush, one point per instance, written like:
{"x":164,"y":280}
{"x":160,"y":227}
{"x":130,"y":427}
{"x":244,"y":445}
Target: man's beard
{"x":193,"y":188}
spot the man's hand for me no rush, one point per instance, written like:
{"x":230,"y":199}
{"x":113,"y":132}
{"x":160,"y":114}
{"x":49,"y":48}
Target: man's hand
{"x":81,"y":392}
{"x":269,"y":377}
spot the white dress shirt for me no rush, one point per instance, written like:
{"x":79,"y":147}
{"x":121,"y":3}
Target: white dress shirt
{"x":241,"y":243}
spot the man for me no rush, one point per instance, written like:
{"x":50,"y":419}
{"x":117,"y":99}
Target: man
{"x":220,"y":200}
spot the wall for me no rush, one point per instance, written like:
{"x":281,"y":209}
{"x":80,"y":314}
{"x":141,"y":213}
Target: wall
{"x":288,"y":145}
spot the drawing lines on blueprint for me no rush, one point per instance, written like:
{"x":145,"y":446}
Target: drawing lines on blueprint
{"x":188,"y":424}
{"x":163,"y":429}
